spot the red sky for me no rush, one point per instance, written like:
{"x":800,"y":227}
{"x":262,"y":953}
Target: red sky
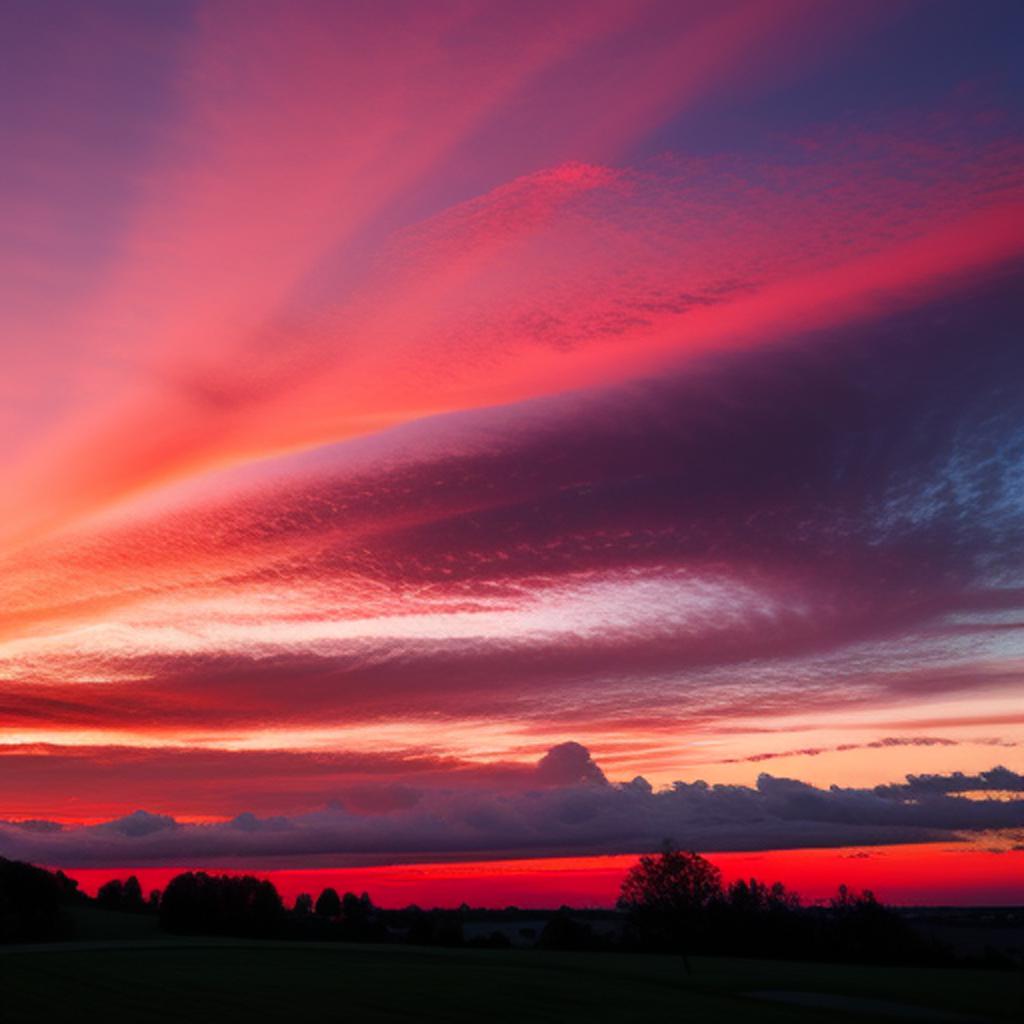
{"x":903,"y":875}
{"x":474,"y":430}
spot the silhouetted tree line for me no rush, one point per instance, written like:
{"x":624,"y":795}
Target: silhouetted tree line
{"x":671,"y":902}
{"x":195,"y":902}
{"x":331,"y":917}
{"x":33,"y":903}
{"x":127,"y":896}
{"x":674,"y":901}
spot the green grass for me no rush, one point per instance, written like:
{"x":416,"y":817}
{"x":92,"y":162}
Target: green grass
{"x":167,"y":980}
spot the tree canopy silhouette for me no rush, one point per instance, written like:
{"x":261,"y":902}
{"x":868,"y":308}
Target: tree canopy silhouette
{"x":118,"y":895}
{"x":220,"y":904}
{"x":673,"y":882}
{"x":32,"y":901}
{"x":328,"y":903}
{"x":669,"y":898}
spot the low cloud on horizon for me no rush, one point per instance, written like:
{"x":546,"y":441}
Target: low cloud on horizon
{"x":564,"y":805}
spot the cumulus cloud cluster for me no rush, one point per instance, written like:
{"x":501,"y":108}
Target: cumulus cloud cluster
{"x":565,"y":805}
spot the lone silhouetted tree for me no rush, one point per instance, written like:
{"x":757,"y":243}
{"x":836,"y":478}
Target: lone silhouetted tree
{"x":328,"y":904}
{"x":673,"y":882}
{"x":668,"y":895}
{"x":111,"y":894}
{"x":303,"y":904}
{"x":131,"y":895}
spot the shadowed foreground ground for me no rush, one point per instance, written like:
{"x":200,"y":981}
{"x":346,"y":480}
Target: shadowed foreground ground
{"x":165,"y":980}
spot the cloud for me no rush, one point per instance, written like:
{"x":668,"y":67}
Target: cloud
{"x":140,"y":823}
{"x":292,"y":154}
{"x":998,"y":779}
{"x":886,"y":742}
{"x":581,"y":811}
{"x":625,"y":554}
{"x":214,"y":782}
{"x":569,"y":764}
{"x":443,"y":412}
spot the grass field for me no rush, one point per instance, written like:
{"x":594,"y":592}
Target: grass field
{"x":204,"y":980}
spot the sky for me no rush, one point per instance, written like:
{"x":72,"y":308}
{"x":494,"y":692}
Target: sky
{"x":475,"y":433}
